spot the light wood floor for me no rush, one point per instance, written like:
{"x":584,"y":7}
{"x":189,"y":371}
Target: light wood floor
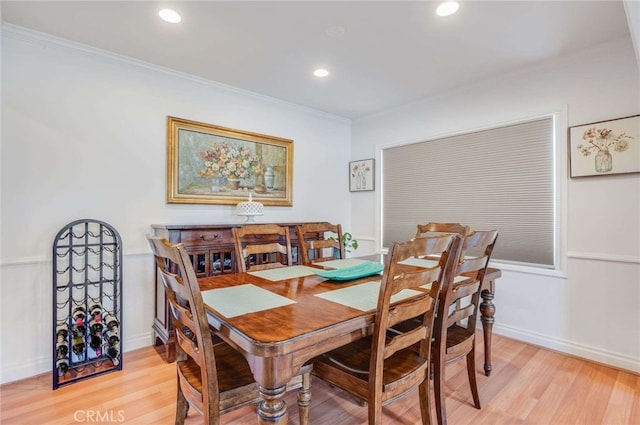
{"x":529,"y":385}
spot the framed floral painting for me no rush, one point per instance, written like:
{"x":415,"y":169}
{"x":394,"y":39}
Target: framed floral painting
{"x":605,"y":147}
{"x":209,"y":164}
{"x":361,"y":175}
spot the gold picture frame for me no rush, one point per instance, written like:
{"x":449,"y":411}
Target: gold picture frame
{"x":210,"y":164}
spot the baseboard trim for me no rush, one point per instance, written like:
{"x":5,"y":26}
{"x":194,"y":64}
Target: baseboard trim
{"x":609,"y":358}
{"x":42,"y":364}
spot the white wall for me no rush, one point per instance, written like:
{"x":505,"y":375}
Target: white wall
{"x":593,"y":310}
{"x":83,"y":136}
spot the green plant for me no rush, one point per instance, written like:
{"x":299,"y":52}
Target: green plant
{"x":349,"y":243}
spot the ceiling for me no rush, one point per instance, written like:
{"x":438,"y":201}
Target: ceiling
{"x":380,"y":54}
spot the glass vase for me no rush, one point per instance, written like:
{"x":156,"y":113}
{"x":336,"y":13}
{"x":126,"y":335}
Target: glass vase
{"x":604,"y":161}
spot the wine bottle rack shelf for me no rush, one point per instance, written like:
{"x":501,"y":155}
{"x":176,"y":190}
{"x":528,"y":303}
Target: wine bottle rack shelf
{"x":87,"y":301}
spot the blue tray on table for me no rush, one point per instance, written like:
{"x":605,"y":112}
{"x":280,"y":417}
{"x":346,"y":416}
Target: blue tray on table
{"x":354,"y":272}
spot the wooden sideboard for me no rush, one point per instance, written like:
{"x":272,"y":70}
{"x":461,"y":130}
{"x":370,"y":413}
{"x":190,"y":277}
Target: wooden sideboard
{"x":212,"y":251}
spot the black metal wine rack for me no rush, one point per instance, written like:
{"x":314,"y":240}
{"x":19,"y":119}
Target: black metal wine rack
{"x":87,"y":301}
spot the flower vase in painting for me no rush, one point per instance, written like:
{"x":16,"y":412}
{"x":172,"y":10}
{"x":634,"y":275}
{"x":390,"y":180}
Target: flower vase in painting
{"x":230,"y":161}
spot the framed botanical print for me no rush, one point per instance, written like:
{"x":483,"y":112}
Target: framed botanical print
{"x":605,"y":147}
{"x":361,"y":175}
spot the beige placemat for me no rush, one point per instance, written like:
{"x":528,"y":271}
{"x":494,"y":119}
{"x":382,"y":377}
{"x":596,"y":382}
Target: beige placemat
{"x":284,"y":273}
{"x":242,"y":299}
{"x":419,"y":262}
{"x":364,"y":296}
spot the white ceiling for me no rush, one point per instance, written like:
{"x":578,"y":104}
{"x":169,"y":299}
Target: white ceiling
{"x":390,"y":52}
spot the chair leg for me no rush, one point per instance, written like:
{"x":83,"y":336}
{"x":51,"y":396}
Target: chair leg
{"x":375,"y":411}
{"x":471,"y":371}
{"x":182,"y":406}
{"x":304,"y":398}
{"x":425,"y":402}
{"x":438,"y":389}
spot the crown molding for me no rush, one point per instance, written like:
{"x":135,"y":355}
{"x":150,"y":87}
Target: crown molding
{"x":47,"y":40}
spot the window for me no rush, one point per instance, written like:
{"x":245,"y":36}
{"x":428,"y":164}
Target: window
{"x":501,"y":178}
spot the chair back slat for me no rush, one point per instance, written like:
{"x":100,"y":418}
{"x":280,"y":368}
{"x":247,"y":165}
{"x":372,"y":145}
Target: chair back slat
{"x":315,"y":245}
{"x":416,"y":278}
{"x":408,"y":309}
{"x":460,"y":314}
{"x":432,"y":229}
{"x":404,"y":340}
{"x":466,"y":288}
{"x":469,"y":265}
{"x":188,"y":345}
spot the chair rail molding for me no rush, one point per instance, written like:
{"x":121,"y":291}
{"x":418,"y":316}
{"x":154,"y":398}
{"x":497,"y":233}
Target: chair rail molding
{"x":599,"y":256}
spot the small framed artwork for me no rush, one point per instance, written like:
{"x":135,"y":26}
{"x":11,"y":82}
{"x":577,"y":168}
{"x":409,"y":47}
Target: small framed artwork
{"x":605,"y":147}
{"x":209,"y":164}
{"x":361,"y":175}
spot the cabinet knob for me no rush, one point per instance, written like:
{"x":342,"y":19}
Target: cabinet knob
{"x":215,"y":236}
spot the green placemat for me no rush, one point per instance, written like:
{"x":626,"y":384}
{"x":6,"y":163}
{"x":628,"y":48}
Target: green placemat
{"x":242,"y":299}
{"x":364,"y":296}
{"x":284,"y":273}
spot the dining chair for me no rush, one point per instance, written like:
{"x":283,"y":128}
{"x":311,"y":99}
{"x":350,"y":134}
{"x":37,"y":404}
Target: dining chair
{"x":213,"y":377}
{"x":262,"y":246}
{"x":314,"y":250}
{"x":455,"y":323}
{"x":379,"y":369}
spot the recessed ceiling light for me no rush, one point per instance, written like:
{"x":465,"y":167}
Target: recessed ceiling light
{"x":170,"y":15}
{"x":321,"y":72}
{"x":447,"y":8}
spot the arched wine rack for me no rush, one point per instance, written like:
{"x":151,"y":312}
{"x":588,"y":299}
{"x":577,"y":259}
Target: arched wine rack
{"x":87,"y":301}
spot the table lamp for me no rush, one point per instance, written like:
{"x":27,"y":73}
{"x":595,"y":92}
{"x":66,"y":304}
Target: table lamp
{"x":250,"y":209}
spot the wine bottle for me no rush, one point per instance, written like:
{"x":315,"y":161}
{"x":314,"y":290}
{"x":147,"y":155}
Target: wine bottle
{"x":62,"y":348}
{"x":79,"y":313}
{"x":62,"y":365}
{"x":78,"y":344}
{"x":96,"y":326}
{"x":95,"y":342}
{"x":62,"y":331}
{"x":95,"y":309}
{"x":78,"y":330}
{"x":111,"y":337}
{"x":111,"y":322}
{"x":114,"y":354}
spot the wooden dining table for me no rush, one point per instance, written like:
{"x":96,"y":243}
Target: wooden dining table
{"x":280,"y":319}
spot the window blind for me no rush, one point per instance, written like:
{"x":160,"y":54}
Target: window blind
{"x":500,"y":178}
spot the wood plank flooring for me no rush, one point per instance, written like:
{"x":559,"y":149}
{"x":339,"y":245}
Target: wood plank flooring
{"x":528,"y":385}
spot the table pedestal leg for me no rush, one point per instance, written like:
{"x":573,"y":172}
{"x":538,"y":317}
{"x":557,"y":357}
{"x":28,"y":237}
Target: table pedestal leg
{"x":272,"y":409}
{"x":487,"y":313}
